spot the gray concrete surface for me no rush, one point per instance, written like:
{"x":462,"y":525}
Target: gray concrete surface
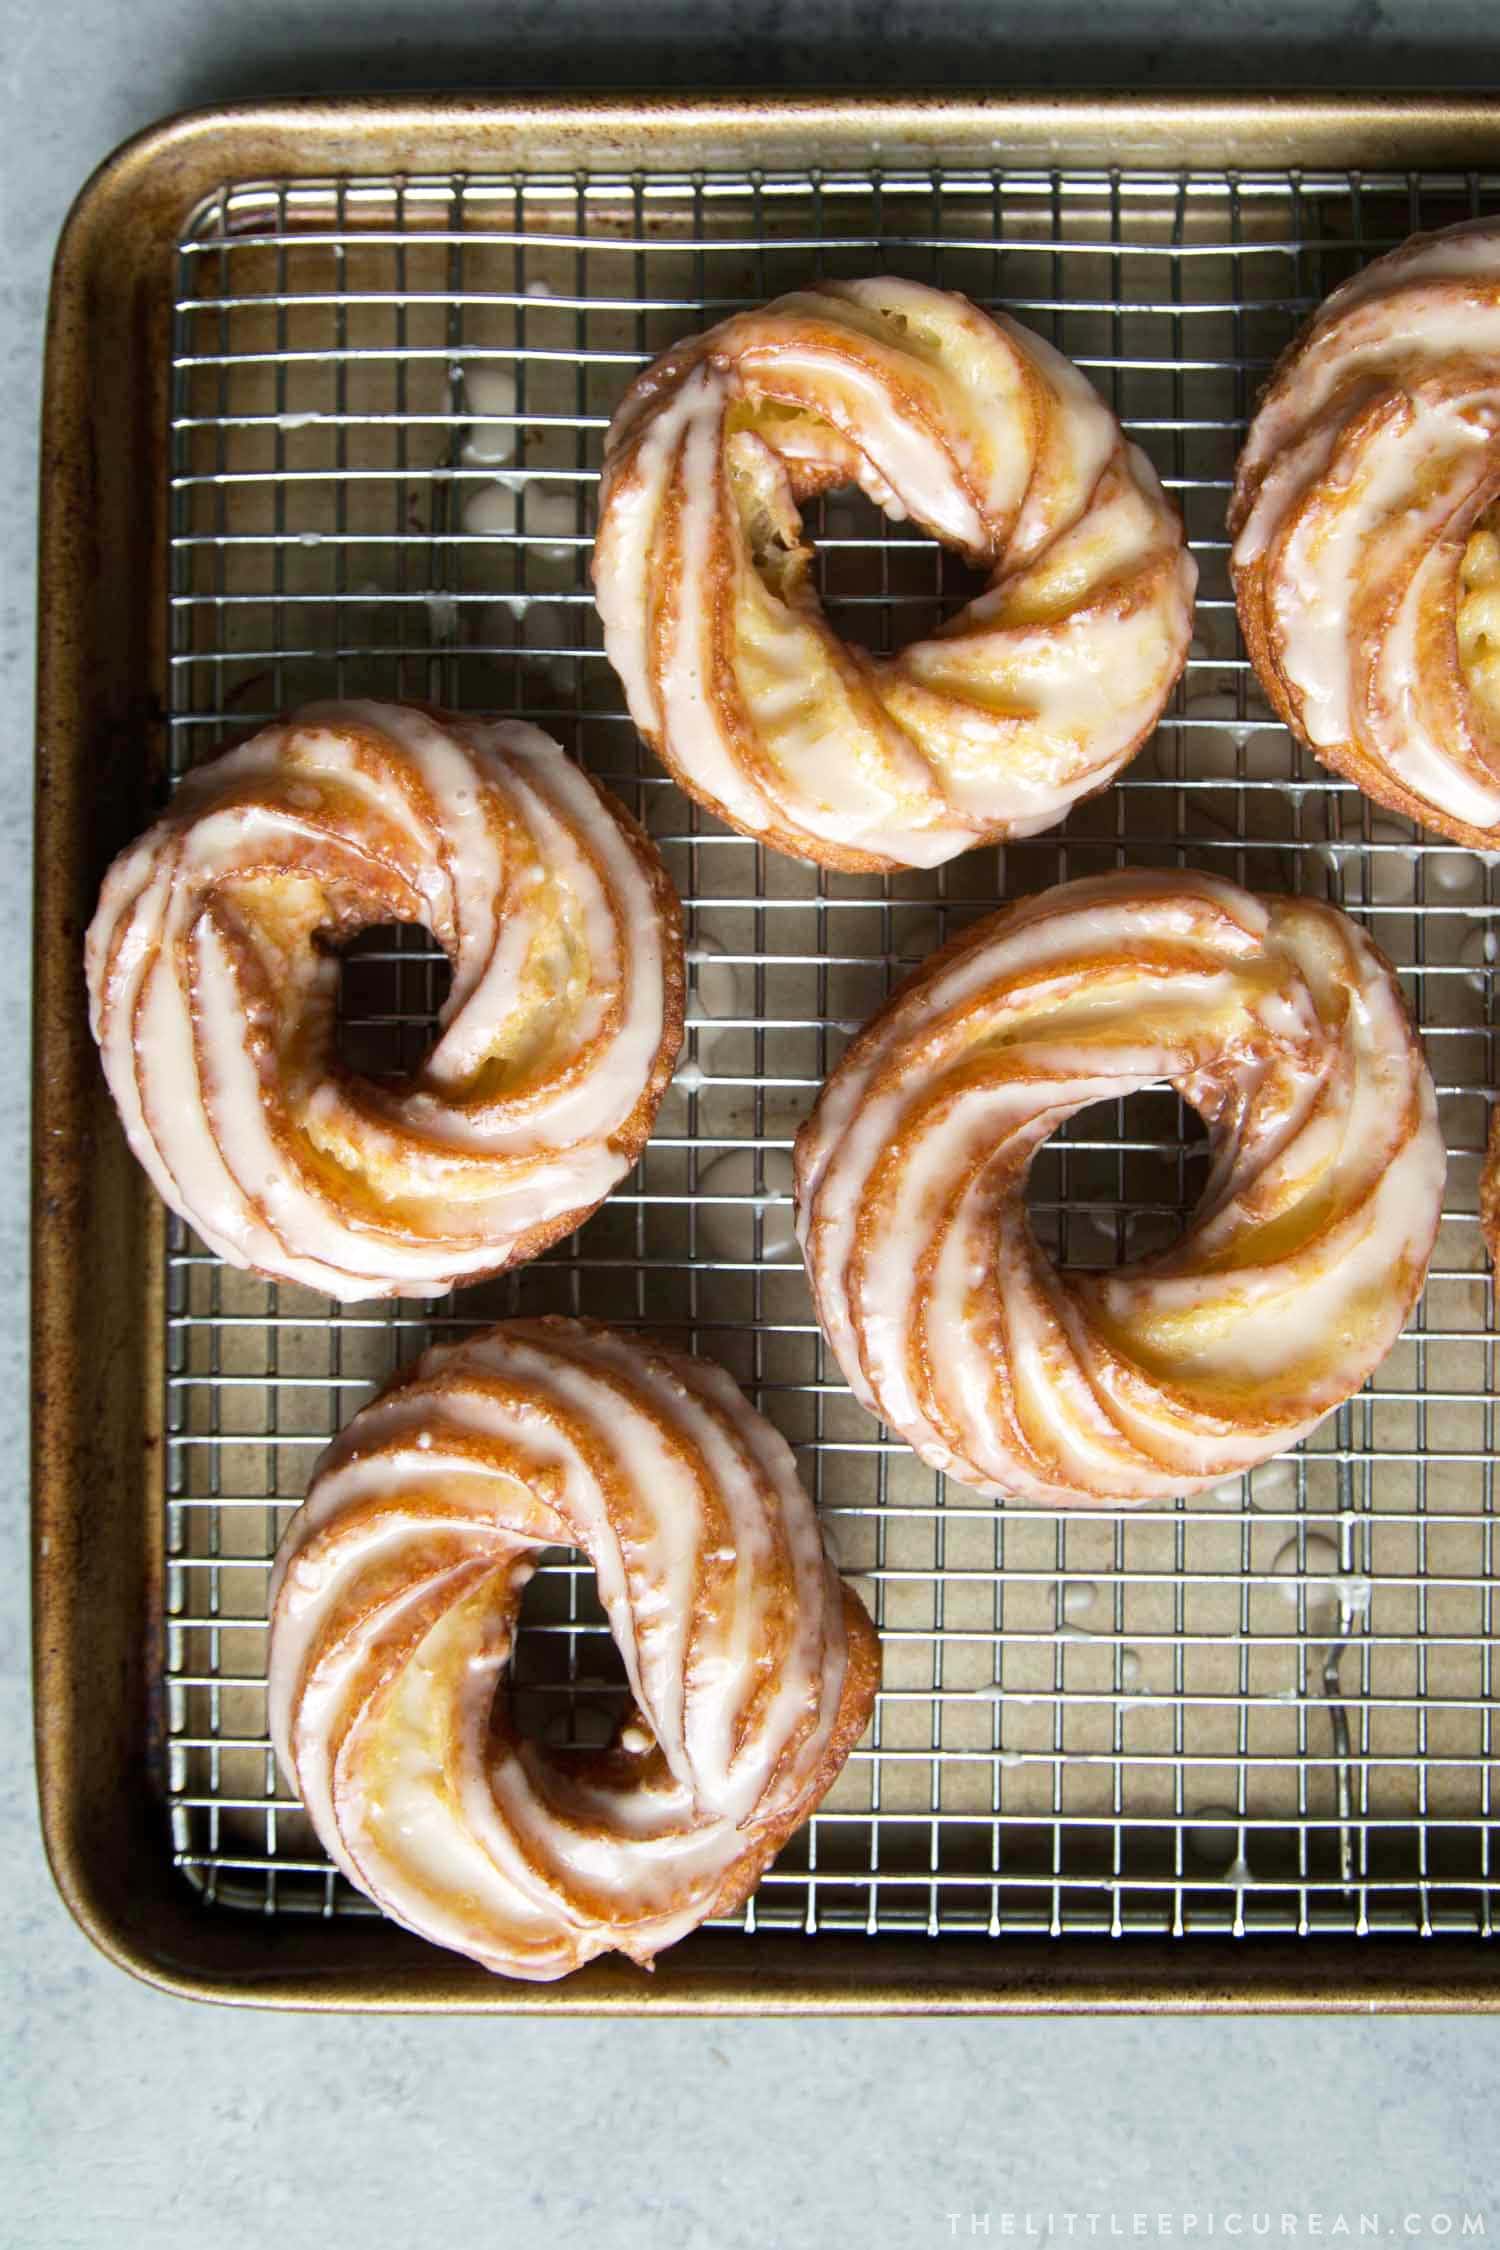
{"x":127,"y":2119}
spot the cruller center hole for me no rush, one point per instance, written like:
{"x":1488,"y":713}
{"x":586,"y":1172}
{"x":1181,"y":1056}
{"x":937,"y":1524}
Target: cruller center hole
{"x":882,"y":584}
{"x":1120,"y":1180}
{"x":393,"y":980}
{"x":567,"y":1678}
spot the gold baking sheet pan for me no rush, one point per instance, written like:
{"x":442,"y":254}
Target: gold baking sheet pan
{"x":326,"y":392}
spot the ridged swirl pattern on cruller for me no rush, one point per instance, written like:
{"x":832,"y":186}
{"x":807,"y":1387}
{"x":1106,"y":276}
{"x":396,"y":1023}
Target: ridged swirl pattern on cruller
{"x":1033,"y":696}
{"x":1365,"y":559}
{"x":1282,"y":1025}
{"x":214,"y":989}
{"x":394,"y":1605}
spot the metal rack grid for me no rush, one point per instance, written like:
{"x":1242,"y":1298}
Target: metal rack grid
{"x":1269,"y":1709}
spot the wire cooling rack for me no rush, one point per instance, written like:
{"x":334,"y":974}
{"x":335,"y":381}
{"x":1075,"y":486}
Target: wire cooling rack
{"x":1269,"y":1709}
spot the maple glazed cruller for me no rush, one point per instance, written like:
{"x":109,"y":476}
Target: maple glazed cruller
{"x":1033,"y":696}
{"x":1283,"y":1026}
{"x":1365,"y":519}
{"x":214,"y":991}
{"x":394,"y":1605}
